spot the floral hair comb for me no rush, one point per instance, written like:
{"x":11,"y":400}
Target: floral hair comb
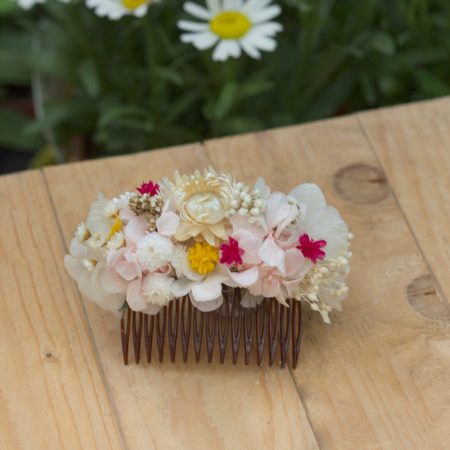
{"x":206,"y":249}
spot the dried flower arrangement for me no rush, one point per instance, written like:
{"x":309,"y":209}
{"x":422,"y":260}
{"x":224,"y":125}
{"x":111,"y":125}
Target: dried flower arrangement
{"x":200,"y":235}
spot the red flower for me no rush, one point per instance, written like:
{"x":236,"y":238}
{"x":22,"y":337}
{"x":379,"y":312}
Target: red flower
{"x":148,"y":188}
{"x":311,"y":249}
{"x":231,"y":253}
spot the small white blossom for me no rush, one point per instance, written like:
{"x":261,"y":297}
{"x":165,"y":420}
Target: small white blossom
{"x":154,"y":250}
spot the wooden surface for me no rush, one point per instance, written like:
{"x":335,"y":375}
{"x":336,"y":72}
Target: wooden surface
{"x":377,"y":378}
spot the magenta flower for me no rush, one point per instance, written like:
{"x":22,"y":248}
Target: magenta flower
{"x":148,"y":188}
{"x":231,"y":253}
{"x":311,"y":249}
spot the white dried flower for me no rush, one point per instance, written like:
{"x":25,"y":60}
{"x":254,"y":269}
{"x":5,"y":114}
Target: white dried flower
{"x":154,"y":250}
{"x":116,"y":241}
{"x":82,"y":233}
{"x":157,"y":288}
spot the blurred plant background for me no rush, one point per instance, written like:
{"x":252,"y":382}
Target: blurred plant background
{"x":75,"y":86}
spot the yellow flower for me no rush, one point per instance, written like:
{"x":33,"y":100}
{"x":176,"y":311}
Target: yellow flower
{"x":203,"y":258}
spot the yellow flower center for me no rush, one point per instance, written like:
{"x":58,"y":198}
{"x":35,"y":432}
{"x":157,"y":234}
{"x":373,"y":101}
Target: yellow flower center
{"x":203,"y":258}
{"x":117,"y":226}
{"x":230,"y":25}
{"x":133,"y":4}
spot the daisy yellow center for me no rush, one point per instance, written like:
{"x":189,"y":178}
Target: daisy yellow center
{"x":133,"y":4}
{"x":230,"y":25}
{"x":203,"y":258}
{"x":117,"y":226}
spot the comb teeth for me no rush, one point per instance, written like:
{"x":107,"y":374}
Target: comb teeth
{"x":268,"y":327}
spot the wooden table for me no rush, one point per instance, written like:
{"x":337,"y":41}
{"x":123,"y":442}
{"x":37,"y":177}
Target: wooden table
{"x":377,"y":378}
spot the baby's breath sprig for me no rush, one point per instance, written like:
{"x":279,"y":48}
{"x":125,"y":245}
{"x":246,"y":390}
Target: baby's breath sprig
{"x":246,"y":202}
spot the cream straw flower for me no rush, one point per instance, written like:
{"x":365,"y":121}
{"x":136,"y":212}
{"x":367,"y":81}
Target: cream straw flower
{"x":116,"y":9}
{"x":234,"y":24}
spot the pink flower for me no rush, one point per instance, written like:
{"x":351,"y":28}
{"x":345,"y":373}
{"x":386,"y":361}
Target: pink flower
{"x":311,"y":249}
{"x":148,"y":188}
{"x":231,"y":253}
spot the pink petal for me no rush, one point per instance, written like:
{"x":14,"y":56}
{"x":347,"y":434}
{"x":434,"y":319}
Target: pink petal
{"x":135,"y":230}
{"x":168,"y":223}
{"x":240,"y":223}
{"x":270,"y":286}
{"x":272,"y":255}
{"x":294,"y":261}
{"x":250,"y":244}
{"x":135,"y":300}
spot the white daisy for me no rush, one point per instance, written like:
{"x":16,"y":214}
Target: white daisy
{"x":28,"y":4}
{"x":236,"y":26}
{"x":116,"y":9}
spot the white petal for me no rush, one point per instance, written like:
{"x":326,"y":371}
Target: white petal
{"x":197,"y":11}
{"x":262,"y":42}
{"x":201,"y":41}
{"x":225,"y":49}
{"x":245,"y":278}
{"x":188,"y":25}
{"x":167,"y":223}
{"x":250,"y":300}
{"x":250,"y":49}
{"x":254,"y":6}
{"x":266,"y":14}
{"x":268,"y":28}
{"x":210,"y":305}
{"x":232,"y":5}
{"x":208,"y":289}
{"x":213,"y":6}
{"x":182,"y":287}
{"x":310,"y":194}
{"x":272,"y":255}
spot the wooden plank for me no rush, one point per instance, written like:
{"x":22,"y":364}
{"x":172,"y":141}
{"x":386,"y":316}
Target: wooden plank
{"x":378,"y":377}
{"x":52,"y":394}
{"x":412,"y":143}
{"x":176,"y":405}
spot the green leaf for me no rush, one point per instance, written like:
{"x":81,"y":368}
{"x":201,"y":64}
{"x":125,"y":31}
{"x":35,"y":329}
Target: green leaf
{"x":430,"y":85}
{"x":226,"y":100}
{"x":8,"y":6}
{"x":12,"y":126}
{"x":383,"y":43}
{"x":118,"y":113}
{"x":168,"y":74}
{"x":89,"y":77}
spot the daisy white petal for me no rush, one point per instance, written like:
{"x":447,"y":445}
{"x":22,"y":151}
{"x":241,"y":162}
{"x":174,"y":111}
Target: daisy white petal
{"x":268,"y":28}
{"x":266,"y":14}
{"x":225,"y":49}
{"x":197,"y":11}
{"x":188,"y":25}
{"x":249,"y":48}
{"x":262,"y":42}
{"x":200,"y":41}
{"x":214,"y":6}
{"x":232,"y":5}
{"x":255,"y":5}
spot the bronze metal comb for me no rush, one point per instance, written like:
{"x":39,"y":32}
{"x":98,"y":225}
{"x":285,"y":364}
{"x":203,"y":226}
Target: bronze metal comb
{"x":268,"y":328}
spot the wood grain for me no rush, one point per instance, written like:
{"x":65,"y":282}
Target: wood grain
{"x":52,"y":395}
{"x":378,"y":377}
{"x":174,"y":406}
{"x":413,"y":146}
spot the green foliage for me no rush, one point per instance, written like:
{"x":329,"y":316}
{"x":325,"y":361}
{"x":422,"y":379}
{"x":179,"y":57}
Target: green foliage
{"x":131,"y":84}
